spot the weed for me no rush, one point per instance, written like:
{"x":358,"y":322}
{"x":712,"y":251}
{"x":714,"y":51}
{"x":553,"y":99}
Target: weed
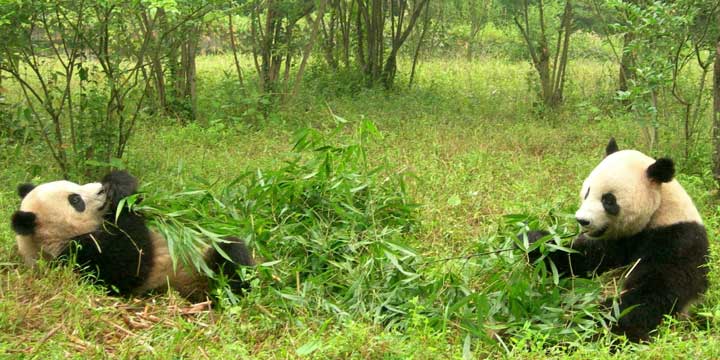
{"x":470,"y":152}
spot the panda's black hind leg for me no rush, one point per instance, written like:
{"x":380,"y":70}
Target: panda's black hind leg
{"x":239,"y":255}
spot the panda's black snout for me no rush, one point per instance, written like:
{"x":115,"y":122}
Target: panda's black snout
{"x":582,"y":222}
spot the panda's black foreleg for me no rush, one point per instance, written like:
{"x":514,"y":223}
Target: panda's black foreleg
{"x":238,"y":251}
{"x":239,"y":255}
{"x":119,"y":255}
{"x":591,"y":256}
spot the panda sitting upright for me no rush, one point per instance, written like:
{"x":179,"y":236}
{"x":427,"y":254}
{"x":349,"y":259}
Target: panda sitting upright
{"x":633,"y":213}
{"x":125,"y":255}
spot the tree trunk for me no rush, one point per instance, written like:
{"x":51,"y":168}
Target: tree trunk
{"x":627,"y":66}
{"x":426,"y":24}
{"x":552,"y":74}
{"x":191,"y":75}
{"x":476,"y":23}
{"x":153,"y":27}
{"x":315,"y":24}
{"x":345,"y":18}
{"x":399,"y":36}
{"x":562,"y":50}
{"x":360,"y":55}
{"x":716,"y":113}
{"x":186,"y":77}
{"x":543,"y":68}
{"x":234,"y":49}
{"x":626,"y":63}
{"x":329,"y":38}
{"x":371,"y":18}
{"x":388,"y":74}
{"x":272,"y":32}
{"x":375,"y":27}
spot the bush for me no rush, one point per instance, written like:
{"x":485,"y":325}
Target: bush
{"x":501,"y":42}
{"x":15,"y":126}
{"x":588,"y":45}
{"x":328,"y":219}
{"x":334,"y":230}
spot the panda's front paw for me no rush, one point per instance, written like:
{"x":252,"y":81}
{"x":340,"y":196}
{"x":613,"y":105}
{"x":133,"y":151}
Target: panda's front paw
{"x":532,"y":237}
{"x":119,"y":184}
{"x":536,"y":235}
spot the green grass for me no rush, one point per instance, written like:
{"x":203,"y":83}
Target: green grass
{"x":477,"y":149}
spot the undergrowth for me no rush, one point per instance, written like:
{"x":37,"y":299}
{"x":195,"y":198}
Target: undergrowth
{"x":334,"y":234}
{"x":392,"y":245}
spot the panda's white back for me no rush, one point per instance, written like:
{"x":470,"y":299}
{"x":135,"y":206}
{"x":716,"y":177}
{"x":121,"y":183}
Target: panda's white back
{"x":675,"y":206}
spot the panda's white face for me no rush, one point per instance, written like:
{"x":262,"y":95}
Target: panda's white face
{"x":619,"y":198}
{"x":62,"y":210}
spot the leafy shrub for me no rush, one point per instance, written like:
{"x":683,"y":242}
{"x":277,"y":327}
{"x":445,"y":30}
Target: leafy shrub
{"x":588,"y":45}
{"x":15,"y":122}
{"x":333,"y":230}
{"x":322,"y":220}
{"x":501,"y":42}
{"x":232,"y":103}
{"x":329,"y":83}
{"x":563,"y":310}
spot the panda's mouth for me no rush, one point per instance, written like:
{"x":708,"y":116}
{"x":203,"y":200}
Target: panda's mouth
{"x":106,"y":201}
{"x":598,"y":233}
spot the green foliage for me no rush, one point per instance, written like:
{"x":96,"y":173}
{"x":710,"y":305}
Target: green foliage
{"x":332,"y":230}
{"x":662,"y":40}
{"x":229,"y":108}
{"x":501,"y":42}
{"x":15,"y":123}
{"x":655,"y":27}
{"x":340,"y":82}
{"x":354,"y":279}
{"x":536,"y":300}
{"x":83,"y":109}
{"x":326,"y":214}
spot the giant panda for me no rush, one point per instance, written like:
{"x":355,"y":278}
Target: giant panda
{"x":62,"y":219}
{"x":633,"y":213}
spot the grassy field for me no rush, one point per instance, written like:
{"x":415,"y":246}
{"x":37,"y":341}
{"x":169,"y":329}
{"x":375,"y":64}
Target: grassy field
{"x":476,"y":149}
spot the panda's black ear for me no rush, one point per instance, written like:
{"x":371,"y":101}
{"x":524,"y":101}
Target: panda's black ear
{"x":23,"y":222}
{"x":611,"y":147}
{"x":662,"y":171}
{"x":24,"y":189}
{"x":119,"y":184}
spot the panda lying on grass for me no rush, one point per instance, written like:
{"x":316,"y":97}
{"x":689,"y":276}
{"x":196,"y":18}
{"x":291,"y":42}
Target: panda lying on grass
{"x":635,"y":214}
{"x":124,"y":255}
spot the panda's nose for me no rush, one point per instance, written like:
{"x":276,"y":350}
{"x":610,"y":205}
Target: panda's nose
{"x":582,"y":222}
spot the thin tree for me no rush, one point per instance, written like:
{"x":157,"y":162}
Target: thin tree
{"x":272,"y":32}
{"x":400,"y":32}
{"x":716,"y":112}
{"x":315,"y":26}
{"x":426,"y":24}
{"x":371,"y":26}
{"x":234,"y":49}
{"x":549,"y":66}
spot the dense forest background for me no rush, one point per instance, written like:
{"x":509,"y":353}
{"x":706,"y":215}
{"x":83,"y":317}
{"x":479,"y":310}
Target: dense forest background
{"x":88,"y":72}
{"x":381,"y":156}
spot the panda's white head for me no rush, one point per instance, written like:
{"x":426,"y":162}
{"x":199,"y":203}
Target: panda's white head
{"x":623,"y":194}
{"x":53,"y":213}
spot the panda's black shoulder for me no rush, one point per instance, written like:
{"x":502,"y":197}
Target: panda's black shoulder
{"x":682,"y":242}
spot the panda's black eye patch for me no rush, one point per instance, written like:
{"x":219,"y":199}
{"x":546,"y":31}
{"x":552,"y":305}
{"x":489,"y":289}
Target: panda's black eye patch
{"x":587,"y":193}
{"x":76,"y":202}
{"x":610,"y":204}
